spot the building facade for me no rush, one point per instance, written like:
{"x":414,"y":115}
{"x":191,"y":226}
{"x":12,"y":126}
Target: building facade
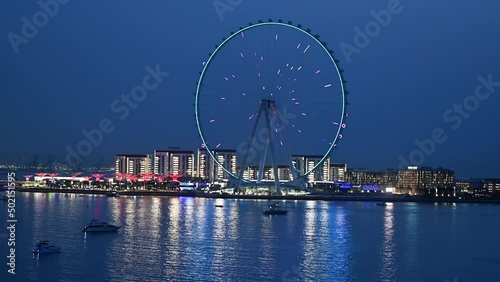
{"x":252,"y":173}
{"x":338,"y":172}
{"x":305,"y":163}
{"x":134,"y":164}
{"x":425,"y":180}
{"x":361,"y":177}
{"x":174,"y":162}
{"x":208,"y":169}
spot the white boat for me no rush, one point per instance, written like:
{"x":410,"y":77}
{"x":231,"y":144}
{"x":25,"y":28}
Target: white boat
{"x":43,"y":247}
{"x":100,"y":226}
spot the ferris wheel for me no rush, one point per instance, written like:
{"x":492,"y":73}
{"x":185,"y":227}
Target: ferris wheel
{"x":271,"y":90}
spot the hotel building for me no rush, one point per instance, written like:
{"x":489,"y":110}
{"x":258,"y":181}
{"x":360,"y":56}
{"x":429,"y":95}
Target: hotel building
{"x":133,"y":163}
{"x":174,"y":162}
{"x":425,"y":180}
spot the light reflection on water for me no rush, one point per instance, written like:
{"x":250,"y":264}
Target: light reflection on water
{"x":388,"y":258}
{"x":189,"y":239}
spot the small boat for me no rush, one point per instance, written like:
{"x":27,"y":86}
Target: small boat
{"x":274,"y":209}
{"x":100,"y":226}
{"x":219,"y":206}
{"x":381,"y":204}
{"x":43,"y":247}
{"x":112,"y":194}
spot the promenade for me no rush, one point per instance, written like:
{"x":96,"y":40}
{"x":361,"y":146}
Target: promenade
{"x":337,"y":197}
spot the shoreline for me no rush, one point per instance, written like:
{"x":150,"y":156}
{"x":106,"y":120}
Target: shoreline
{"x":356,"y":197}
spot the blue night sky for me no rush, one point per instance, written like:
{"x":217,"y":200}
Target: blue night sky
{"x":403,"y":82}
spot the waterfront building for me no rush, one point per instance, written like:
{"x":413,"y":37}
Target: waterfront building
{"x":305,"y":163}
{"x":252,"y":173}
{"x":362,"y":177}
{"x":426,"y":180}
{"x":134,"y":164}
{"x":462,"y":186}
{"x":209,"y":169}
{"x":491,"y":185}
{"x":338,"y":172}
{"x":174,"y":162}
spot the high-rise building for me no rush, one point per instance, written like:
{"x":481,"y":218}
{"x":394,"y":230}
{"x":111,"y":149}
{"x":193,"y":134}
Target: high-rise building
{"x":133,"y":163}
{"x":305,"y":163}
{"x":174,"y":162}
{"x":209,"y":169}
{"x":426,"y":180}
{"x":338,"y":172}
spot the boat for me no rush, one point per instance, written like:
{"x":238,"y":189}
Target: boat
{"x":274,"y":209}
{"x":100,"y":226}
{"x":219,"y":206}
{"x":381,"y":204}
{"x":43,"y":247}
{"x":112,"y":194}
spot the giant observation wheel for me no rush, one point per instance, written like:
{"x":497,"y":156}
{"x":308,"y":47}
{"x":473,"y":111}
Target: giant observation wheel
{"x":280,"y":83}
